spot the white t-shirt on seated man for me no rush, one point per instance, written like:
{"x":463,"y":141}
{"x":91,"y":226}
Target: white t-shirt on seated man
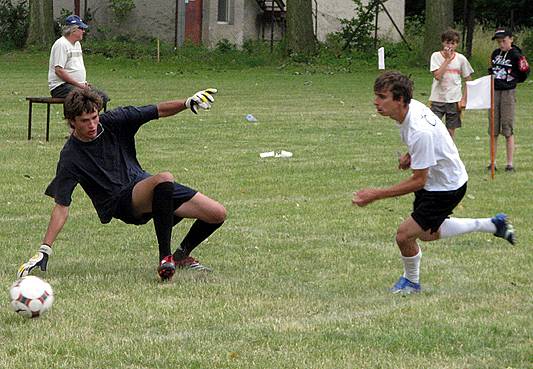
{"x":68,"y":57}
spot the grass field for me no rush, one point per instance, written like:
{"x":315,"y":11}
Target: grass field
{"x":301,"y":276}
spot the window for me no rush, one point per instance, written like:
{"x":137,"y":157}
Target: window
{"x":223,"y":11}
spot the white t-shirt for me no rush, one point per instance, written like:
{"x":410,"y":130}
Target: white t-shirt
{"x":68,"y":56}
{"x":431,"y":146}
{"x":448,"y":89}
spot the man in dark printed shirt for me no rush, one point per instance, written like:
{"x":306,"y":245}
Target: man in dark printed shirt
{"x":100,"y":155}
{"x":505,"y":69}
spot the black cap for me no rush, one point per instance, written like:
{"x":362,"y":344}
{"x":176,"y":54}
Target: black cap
{"x":501,"y":33}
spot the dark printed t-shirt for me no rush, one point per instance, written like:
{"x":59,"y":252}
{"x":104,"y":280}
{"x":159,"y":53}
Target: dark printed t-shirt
{"x":105,"y":166}
{"x":504,"y":67}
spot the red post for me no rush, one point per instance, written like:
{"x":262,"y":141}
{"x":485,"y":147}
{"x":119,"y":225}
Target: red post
{"x":492,"y":139}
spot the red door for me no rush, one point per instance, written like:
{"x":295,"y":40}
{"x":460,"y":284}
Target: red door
{"x":193,"y":21}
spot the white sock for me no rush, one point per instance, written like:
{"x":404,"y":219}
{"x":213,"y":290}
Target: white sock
{"x":456,"y":226}
{"x":411,"y":267}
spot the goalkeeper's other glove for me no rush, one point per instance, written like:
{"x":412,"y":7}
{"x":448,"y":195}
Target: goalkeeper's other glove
{"x":38,"y":260}
{"x":202,"y":99}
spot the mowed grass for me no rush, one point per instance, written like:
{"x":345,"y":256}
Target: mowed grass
{"x":301,"y":276}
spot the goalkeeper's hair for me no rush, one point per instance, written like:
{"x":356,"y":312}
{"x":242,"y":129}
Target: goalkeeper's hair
{"x":79,"y":101}
{"x":398,"y":84}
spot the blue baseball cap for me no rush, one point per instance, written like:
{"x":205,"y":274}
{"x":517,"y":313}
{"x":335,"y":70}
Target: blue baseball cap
{"x":74,"y":20}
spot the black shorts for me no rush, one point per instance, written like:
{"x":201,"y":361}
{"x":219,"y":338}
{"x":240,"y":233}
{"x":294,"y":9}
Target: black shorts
{"x":124,"y":210}
{"x":431,"y":208}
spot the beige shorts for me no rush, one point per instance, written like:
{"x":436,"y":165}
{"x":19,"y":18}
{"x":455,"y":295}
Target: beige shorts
{"x":451,"y":110}
{"x":504,"y":106}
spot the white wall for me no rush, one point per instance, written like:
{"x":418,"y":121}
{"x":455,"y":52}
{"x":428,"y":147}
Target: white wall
{"x":156,"y":18}
{"x":330,"y":12}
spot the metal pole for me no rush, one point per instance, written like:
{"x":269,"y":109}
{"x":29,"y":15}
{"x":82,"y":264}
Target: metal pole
{"x":492,"y":137}
{"x":376,"y":26}
{"x":181,"y":23}
{"x":272,"y":28}
{"x":176,"y":25}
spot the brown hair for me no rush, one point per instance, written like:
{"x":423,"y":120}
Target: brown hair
{"x":450,"y":35}
{"x":397,"y":83}
{"x":79,"y":101}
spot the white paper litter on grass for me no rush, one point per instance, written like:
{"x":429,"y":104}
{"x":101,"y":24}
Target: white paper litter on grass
{"x":276,"y":154}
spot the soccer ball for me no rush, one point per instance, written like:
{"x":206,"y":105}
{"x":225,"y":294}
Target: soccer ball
{"x":31,"y":297}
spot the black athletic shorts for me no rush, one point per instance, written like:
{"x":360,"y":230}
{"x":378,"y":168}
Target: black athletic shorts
{"x":124,"y":210}
{"x":431,"y":208}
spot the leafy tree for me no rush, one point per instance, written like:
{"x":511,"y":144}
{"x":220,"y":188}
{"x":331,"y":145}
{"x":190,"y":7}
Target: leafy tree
{"x":518,"y":13}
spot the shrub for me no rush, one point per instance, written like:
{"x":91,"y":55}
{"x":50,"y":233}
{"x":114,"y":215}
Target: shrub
{"x":14,"y":23}
{"x":357,"y":32}
{"x":225,"y":46}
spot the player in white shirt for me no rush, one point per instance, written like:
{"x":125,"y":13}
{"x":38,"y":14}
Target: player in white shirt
{"x":448,"y":68}
{"x":66,"y":69}
{"x":438,"y":179}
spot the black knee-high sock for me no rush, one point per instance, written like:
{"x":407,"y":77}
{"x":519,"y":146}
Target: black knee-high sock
{"x":199,"y":231}
{"x":163,"y":211}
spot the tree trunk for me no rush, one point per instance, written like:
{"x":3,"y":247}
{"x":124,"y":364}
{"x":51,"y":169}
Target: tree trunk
{"x":41,"y":31}
{"x":439,"y":17}
{"x":300,"y":36}
{"x":470,"y":25}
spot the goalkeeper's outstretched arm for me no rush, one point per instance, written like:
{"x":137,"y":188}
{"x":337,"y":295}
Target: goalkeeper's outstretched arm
{"x":40,"y":259}
{"x":200,"y":100}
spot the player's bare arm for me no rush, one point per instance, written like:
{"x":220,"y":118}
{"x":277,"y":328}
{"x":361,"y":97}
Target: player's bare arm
{"x":40,"y":259}
{"x":414,"y":183}
{"x":169,"y":108}
{"x":58,"y":218}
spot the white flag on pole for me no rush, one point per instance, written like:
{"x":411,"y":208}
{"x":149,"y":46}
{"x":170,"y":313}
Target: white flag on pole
{"x":381,"y":58}
{"x":478,"y":93}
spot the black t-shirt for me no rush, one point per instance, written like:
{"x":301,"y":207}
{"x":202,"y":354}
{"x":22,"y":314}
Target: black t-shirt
{"x":105,"y":166}
{"x":504,"y":67}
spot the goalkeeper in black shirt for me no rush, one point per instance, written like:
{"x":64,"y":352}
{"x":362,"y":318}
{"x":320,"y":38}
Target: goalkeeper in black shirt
{"x":100,"y":155}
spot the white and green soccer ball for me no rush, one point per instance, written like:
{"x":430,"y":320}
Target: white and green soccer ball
{"x":31,"y":297}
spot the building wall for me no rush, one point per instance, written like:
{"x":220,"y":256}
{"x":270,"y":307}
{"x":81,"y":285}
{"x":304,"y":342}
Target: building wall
{"x":156,"y":18}
{"x":243,"y":23}
{"x":330,"y":12}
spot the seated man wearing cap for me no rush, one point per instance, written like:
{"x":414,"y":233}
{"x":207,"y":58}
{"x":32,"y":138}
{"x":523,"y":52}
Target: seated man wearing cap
{"x":66,"y":70}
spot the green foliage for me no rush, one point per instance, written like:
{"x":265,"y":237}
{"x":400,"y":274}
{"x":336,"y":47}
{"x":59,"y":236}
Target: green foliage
{"x":123,"y":46}
{"x":60,"y":21}
{"x":498,"y":12}
{"x":14,"y":23}
{"x":121,"y":8}
{"x":357,"y":31}
{"x":527,"y":45}
{"x":488,"y":12}
{"x":225,"y":46}
{"x":224,"y":56}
